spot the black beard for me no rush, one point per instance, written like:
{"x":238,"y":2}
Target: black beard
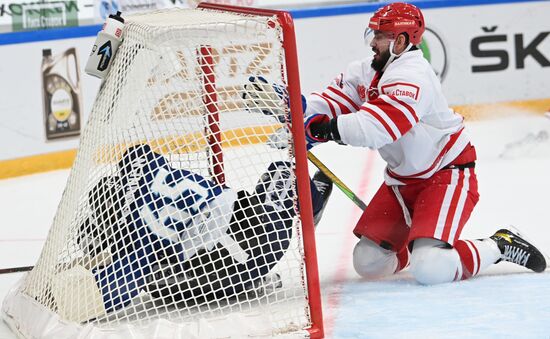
{"x":379,"y":65}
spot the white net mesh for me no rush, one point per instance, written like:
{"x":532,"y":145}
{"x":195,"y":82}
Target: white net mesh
{"x":178,"y":207}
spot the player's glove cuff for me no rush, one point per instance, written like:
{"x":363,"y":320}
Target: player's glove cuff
{"x":320,"y":128}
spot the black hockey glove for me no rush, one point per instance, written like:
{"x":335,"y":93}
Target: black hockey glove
{"x":320,"y":128}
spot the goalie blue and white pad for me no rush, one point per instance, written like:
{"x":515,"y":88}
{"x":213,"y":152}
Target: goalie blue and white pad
{"x":181,"y":236}
{"x":262,"y":226}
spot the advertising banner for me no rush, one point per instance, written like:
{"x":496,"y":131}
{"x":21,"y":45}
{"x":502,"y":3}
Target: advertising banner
{"x":21,"y":15}
{"x":61,"y":93}
{"x":26,"y":16}
{"x":491,"y":59}
{"x":45,"y":96}
{"x":483,"y":54}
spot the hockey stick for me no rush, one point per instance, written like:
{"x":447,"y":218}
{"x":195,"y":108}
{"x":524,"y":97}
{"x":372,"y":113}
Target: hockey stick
{"x":345,"y":189}
{"x":16,"y":269}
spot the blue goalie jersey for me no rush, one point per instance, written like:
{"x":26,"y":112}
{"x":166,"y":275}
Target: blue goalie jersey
{"x":183,"y":236}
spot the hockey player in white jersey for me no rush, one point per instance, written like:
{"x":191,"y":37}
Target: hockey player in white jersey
{"x":394,"y":103}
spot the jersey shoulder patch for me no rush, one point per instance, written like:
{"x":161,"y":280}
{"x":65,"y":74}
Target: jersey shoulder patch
{"x":401,"y":89}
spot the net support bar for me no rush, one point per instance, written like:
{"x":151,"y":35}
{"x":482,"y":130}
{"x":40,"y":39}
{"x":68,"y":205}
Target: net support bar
{"x":206,"y":62}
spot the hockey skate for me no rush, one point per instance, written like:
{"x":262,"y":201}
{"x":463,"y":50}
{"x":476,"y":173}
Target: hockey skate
{"x":320,"y":196}
{"x":517,"y":250}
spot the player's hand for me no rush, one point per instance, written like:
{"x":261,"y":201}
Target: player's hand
{"x":280,"y":139}
{"x":261,"y":96}
{"x":312,"y":128}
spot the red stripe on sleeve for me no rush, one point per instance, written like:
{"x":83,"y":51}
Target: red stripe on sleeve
{"x":399,"y":118}
{"x":345,"y":97}
{"x":343,"y":108}
{"x":332,"y":109}
{"x":407,"y":106}
{"x":379,"y":118}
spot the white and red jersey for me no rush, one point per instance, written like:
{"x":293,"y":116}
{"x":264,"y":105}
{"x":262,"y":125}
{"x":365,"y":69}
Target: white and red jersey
{"x":402,"y":113}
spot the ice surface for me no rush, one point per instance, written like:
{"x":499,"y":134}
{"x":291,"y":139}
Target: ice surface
{"x":504,"y":302}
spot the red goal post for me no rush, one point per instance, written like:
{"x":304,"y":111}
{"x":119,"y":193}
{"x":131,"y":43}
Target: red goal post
{"x":295,"y":103}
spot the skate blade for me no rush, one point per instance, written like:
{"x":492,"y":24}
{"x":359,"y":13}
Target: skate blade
{"x":530,"y":240}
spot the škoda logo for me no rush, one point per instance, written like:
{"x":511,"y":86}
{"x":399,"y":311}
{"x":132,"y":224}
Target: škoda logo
{"x":435,"y":52}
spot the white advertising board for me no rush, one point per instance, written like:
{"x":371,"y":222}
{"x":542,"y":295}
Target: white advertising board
{"x":27,"y":94}
{"x":484,"y":54}
{"x":25,"y":15}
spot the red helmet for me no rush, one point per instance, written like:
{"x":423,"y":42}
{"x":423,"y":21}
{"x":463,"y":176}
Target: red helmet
{"x":399,"y":18}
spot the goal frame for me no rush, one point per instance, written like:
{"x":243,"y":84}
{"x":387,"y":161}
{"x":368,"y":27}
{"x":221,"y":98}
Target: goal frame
{"x":64,"y":297}
{"x":302,"y":175}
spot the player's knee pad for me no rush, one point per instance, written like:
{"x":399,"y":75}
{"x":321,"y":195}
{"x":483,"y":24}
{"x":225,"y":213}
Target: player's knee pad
{"x":372,"y":261}
{"x":432,"y":262}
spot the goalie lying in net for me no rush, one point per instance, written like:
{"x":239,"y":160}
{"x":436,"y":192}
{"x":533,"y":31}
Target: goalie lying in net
{"x":181,"y":237}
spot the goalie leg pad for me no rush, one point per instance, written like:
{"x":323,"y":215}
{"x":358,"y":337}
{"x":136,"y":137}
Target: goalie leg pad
{"x":122,"y":280}
{"x":76,"y":295}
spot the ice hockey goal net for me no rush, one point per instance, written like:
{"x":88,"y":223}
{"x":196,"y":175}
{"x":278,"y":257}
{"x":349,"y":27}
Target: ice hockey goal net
{"x":180,"y":218}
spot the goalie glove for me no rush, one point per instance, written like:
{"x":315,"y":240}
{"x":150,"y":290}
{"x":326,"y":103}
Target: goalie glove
{"x":267,"y":98}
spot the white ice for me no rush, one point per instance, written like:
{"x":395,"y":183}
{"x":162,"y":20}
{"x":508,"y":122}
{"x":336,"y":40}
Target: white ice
{"x":506,"y":301}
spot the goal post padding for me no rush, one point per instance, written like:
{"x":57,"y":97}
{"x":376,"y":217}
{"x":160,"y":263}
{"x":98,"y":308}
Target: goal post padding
{"x":179,"y":218}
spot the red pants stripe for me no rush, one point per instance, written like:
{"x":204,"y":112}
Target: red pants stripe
{"x":470,"y":258}
{"x":439,"y":207}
